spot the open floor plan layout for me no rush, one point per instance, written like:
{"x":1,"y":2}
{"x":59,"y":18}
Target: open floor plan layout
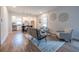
{"x":39,"y":29}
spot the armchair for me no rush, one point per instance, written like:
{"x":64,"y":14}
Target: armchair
{"x":67,"y":36}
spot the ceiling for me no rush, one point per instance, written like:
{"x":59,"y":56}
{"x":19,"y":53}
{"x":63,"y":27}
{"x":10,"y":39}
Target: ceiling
{"x":33,"y":10}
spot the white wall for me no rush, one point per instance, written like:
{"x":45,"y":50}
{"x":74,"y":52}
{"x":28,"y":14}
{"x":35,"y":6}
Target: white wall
{"x":0,"y":25}
{"x":72,"y":22}
{"x":4,"y":24}
{"x":9,"y":22}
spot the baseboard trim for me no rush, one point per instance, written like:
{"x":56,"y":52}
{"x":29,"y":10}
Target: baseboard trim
{"x":4,"y":38}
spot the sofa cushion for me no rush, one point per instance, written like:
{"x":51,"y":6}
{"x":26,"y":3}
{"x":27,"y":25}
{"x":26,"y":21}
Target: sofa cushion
{"x":75,"y":34}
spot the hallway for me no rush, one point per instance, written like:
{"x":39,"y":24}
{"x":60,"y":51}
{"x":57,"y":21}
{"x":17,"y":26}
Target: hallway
{"x":43,"y":22}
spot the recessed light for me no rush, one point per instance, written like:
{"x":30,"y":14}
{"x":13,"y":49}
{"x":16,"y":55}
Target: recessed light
{"x":40,"y":12}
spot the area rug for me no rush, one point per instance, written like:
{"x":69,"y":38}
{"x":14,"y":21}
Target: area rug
{"x":48,"y":46}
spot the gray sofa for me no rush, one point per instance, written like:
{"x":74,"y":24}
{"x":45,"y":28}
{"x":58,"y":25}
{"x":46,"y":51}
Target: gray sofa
{"x":67,"y":36}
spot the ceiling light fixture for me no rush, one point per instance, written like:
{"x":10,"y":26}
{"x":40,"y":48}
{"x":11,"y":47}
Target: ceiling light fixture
{"x":40,"y":12}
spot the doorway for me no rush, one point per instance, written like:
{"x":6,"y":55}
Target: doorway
{"x":33,"y":23}
{"x":16,"y":23}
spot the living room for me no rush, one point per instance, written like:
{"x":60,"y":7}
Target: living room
{"x":59,"y":23}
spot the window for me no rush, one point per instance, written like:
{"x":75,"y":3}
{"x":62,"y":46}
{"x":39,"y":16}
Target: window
{"x":17,"y":20}
{"x":44,"y":21}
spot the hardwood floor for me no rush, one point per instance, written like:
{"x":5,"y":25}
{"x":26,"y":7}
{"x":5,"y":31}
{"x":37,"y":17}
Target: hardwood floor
{"x":68,"y":46}
{"x":16,"y":42}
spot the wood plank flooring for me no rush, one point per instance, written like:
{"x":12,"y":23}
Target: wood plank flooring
{"x":68,"y":46}
{"x":17,"y":42}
